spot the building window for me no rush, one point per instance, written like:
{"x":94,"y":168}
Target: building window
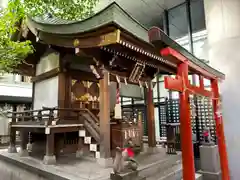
{"x":180,"y":27}
{"x":197,"y":15}
{"x":178,"y":24}
{"x":20,"y":78}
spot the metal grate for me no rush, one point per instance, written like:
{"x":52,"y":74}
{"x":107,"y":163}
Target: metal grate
{"x":163,"y":119}
{"x":173,"y":111}
{"x":205,"y":116}
{"x":170,"y":115}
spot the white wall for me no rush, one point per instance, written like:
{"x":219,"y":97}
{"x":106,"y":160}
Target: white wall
{"x":223,"y":25}
{"x":47,"y":63}
{"x":46,"y":93}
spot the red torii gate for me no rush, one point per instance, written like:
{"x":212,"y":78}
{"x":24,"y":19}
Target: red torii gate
{"x":181,"y":84}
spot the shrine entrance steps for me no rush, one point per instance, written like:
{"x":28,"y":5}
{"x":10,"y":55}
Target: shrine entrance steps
{"x":152,"y":166}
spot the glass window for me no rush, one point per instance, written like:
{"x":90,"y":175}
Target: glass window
{"x":200,"y":44}
{"x":199,"y":35}
{"x":197,"y":15}
{"x":178,"y":26}
{"x":177,"y":21}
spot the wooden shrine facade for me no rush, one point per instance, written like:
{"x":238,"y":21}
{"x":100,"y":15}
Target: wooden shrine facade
{"x":78,"y":70}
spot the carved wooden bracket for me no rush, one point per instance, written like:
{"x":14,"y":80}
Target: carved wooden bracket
{"x":97,"y":71}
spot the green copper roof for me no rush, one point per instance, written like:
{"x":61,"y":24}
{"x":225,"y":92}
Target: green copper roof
{"x":112,"y":14}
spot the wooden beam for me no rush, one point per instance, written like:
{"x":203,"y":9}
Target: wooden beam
{"x":46,"y":75}
{"x":97,"y":41}
{"x":89,"y":76}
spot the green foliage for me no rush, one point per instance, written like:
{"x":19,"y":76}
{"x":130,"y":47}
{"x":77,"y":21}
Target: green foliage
{"x":12,"y":51}
{"x":64,"y":9}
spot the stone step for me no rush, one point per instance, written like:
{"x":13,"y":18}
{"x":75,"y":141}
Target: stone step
{"x":160,"y":166}
{"x":171,"y":173}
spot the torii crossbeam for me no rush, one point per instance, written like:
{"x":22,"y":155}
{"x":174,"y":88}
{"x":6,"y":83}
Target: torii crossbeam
{"x":181,"y":84}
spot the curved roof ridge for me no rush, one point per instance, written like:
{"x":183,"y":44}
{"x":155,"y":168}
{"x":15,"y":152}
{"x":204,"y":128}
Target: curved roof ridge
{"x":59,"y":21}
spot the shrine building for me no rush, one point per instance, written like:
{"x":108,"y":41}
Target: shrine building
{"x":81,"y":70}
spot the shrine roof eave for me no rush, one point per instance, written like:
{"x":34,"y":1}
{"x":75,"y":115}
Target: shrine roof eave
{"x":162,"y":41}
{"x":58,"y":32}
{"x":113,"y":14}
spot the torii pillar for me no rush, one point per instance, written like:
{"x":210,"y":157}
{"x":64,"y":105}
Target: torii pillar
{"x":182,"y":85}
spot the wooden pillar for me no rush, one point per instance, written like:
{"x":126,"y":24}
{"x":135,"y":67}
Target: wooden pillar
{"x":23,"y":143}
{"x":50,"y":144}
{"x":68,"y":87}
{"x":185,"y":126}
{"x":220,"y":131}
{"x":61,"y":89}
{"x":24,"y":139}
{"x":105,"y":151}
{"x":12,"y":133}
{"x":150,"y":117}
{"x":50,"y":157}
{"x":79,"y":152}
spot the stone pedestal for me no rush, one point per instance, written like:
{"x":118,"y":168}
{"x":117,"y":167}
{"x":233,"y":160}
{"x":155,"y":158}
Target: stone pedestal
{"x":12,"y":149}
{"x":152,"y":150}
{"x":209,"y":160}
{"x":79,"y":153}
{"x":23,"y":153}
{"x":49,"y":160}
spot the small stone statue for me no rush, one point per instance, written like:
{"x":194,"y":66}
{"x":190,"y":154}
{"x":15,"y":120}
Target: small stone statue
{"x":207,"y":136}
{"x":124,"y":160}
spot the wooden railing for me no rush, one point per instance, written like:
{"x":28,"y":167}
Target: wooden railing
{"x":48,"y":115}
{"x":33,"y":115}
{"x":60,"y":115}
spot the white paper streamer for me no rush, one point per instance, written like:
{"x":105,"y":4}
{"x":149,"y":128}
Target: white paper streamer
{"x":140,"y":84}
{"x":118,"y":80}
{"x":146,"y":84}
{"x":125,"y":80}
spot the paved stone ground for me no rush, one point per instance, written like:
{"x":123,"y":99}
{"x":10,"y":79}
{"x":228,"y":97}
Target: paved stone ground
{"x":81,"y":169}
